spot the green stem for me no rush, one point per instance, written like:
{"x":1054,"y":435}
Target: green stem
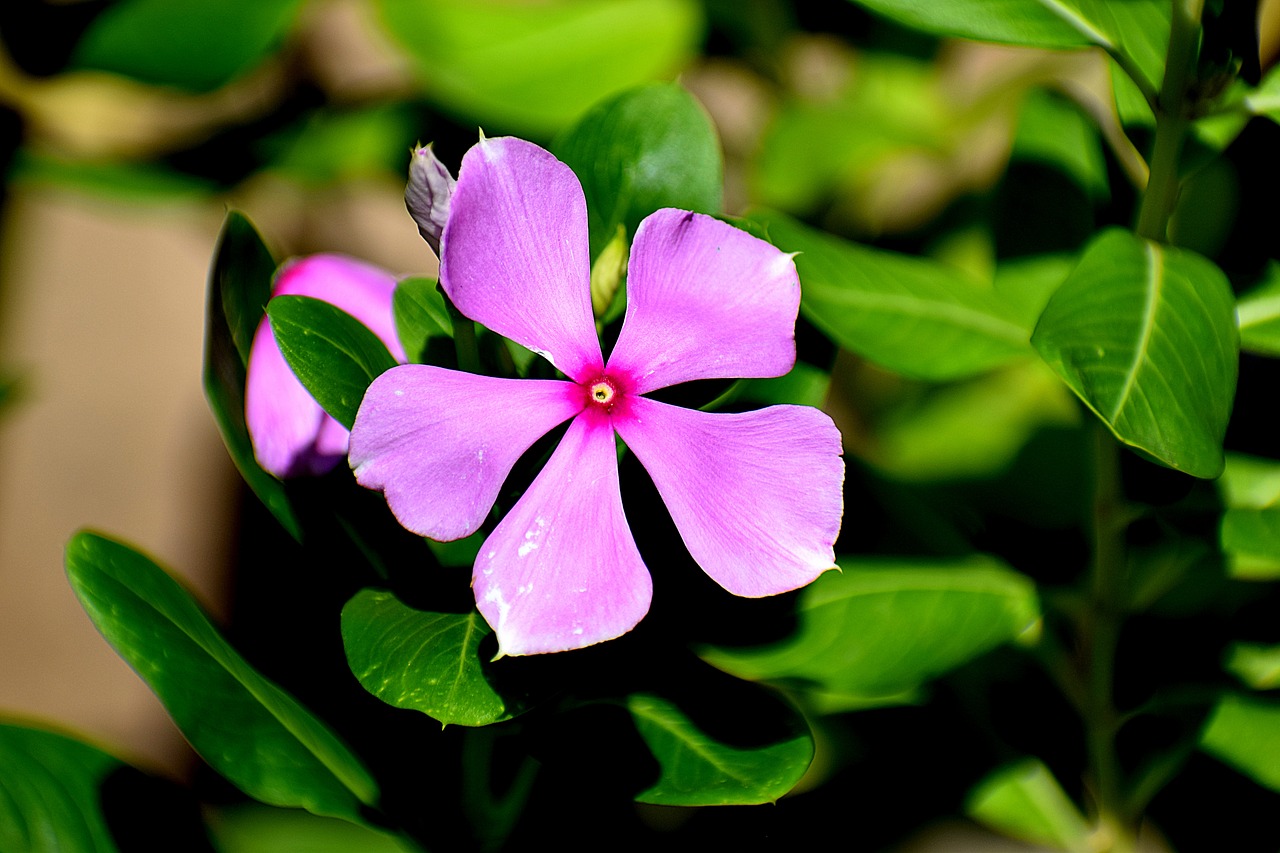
{"x":1100,"y":632}
{"x":464,"y":337}
{"x":1172,"y":122}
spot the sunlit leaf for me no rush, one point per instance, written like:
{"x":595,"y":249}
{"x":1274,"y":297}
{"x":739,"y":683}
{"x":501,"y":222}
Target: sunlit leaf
{"x":1265,"y":99}
{"x":423,"y":661}
{"x":1145,"y":335}
{"x":646,"y":149}
{"x":190,"y":44}
{"x":420,"y":315}
{"x":1024,"y":801}
{"x":1053,"y":131}
{"x":911,"y":315}
{"x":882,"y":628}
{"x":333,"y":354}
{"x":973,"y":428}
{"x":256,"y":829}
{"x":1257,"y":666}
{"x":700,"y":770}
{"x":1245,"y":733}
{"x":1135,"y":30}
{"x":1251,"y":541}
{"x":1250,"y":482}
{"x":535,"y":67}
{"x":244,"y":725}
{"x":239,"y":287}
{"x":1259,"y":314}
{"x":891,"y":107}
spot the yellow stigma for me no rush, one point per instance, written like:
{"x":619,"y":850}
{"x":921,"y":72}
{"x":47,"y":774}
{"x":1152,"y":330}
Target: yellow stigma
{"x":602,"y":393}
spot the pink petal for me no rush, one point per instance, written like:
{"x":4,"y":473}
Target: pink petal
{"x":757,"y":496}
{"x":705,"y":301}
{"x":291,"y":434}
{"x":440,"y":442}
{"x":561,"y":571}
{"x":514,"y":253}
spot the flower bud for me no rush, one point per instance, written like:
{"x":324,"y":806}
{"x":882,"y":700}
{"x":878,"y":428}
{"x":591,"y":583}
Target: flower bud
{"x":427,"y":194}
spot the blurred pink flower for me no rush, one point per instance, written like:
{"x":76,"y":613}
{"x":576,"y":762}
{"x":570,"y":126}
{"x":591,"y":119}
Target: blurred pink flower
{"x":291,"y":434}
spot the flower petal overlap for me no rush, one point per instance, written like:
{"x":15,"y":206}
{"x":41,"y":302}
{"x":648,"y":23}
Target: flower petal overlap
{"x":291,"y":434}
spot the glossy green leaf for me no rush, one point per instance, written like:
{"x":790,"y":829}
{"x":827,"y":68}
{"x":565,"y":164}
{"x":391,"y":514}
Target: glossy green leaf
{"x":880,"y":629}
{"x":1146,"y":336}
{"x":256,"y":829}
{"x":1136,"y":31}
{"x":645,"y":149}
{"x":420,"y":315}
{"x":239,"y":287}
{"x":535,"y":67}
{"x":1259,"y":314}
{"x":333,"y":354}
{"x":911,"y":315}
{"x":422,"y":661}
{"x":1256,"y":665}
{"x":1245,"y":733}
{"x":1024,"y":801}
{"x":51,"y":793}
{"x":244,"y":725}
{"x":697,"y":769}
{"x":189,"y":44}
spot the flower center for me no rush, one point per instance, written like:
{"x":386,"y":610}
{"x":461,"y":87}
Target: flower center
{"x":602,"y":393}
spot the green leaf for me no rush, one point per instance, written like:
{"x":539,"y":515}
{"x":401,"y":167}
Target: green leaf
{"x":1250,"y":482}
{"x":535,"y":67}
{"x":645,"y":149}
{"x":333,"y":354}
{"x":420,"y":315}
{"x":256,"y":829}
{"x":1265,"y":99}
{"x":880,"y":629}
{"x":244,"y":725}
{"x":1146,"y":336}
{"x":1053,"y":131}
{"x":973,"y":428}
{"x":189,"y":44}
{"x":1251,"y":542}
{"x":335,"y":145}
{"x":1245,"y":733}
{"x":239,"y":287}
{"x":1259,"y":314}
{"x":1134,"y":31}
{"x":914,"y":316}
{"x":51,"y":793}
{"x":892,"y":107}
{"x":697,"y":769}
{"x":1256,"y":665}
{"x":1024,"y":801}
{"x":422,"y":661}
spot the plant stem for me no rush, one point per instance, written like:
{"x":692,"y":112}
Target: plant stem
{"x":1100,"y":633}
{"x":1172,"y":121}
{"x":464,"y":337}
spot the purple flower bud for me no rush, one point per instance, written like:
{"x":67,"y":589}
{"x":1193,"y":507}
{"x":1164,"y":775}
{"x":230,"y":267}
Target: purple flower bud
{"x":427,"y":195}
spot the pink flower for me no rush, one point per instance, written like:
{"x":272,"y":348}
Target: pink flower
{"x":756,"y":496}
{"x":291,"y":434}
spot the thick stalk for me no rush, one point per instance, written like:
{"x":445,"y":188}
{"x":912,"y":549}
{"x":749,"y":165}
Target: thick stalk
{"x":1172,"y":121}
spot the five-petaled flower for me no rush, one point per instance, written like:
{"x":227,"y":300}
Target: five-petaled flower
{"x":756,"y":496}
{"x":291,"y":434}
